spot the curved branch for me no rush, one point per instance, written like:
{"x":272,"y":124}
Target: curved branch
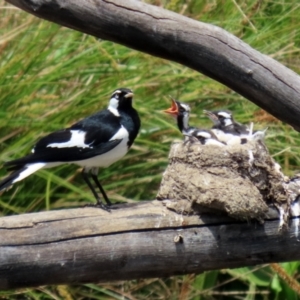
{"x":202,"y":47}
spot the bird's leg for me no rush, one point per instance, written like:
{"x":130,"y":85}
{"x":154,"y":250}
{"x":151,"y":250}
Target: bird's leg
{"x":99,"y":202}
{"x":101,"y":189}
{"x":188,"y":141}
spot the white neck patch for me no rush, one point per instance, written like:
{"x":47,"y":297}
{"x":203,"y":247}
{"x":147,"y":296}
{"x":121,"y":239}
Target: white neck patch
{"x":113,"y":106}
{"x":227,"y":122}
{"x":185,"y":120}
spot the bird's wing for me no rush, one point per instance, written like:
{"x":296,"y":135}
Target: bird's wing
{"x":69,"y":154}
{"x":85,"y":139}
{"x":241,"y":128}
{"x":99,"y":128}
{"x":89,"y":132}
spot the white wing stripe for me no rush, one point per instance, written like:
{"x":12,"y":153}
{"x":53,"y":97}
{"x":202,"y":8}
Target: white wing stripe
{"x":77,"y":140}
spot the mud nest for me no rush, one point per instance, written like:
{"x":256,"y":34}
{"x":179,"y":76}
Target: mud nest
{"x":239,"y":180}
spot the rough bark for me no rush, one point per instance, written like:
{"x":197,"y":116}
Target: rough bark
{"x":133,"y":241}
{"x":147,"y":239}
{"x":202,"y":47}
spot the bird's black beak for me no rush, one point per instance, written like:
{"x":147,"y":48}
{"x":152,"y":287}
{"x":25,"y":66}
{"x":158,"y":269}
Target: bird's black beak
{"x":211,"y":115}
{"x":173,"y":110}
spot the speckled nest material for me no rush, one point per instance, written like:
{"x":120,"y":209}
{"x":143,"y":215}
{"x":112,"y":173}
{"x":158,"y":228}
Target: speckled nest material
{"x":241,"y":180}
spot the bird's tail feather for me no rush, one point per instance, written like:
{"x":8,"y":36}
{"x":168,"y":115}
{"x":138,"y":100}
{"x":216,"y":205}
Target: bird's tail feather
{"x":20,"y":174}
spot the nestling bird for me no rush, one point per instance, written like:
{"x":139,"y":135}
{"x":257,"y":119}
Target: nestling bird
{"x":230,"y":131}
{"x":181,"y":112}
{"x":226,"y":129}
{"x":206,"y":137}
{"x":96,"y":141}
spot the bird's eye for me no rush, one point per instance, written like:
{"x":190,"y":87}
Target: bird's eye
{"x":116,"y":94}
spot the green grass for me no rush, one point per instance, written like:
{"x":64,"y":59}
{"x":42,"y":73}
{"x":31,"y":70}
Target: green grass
{"x":51,"y":77}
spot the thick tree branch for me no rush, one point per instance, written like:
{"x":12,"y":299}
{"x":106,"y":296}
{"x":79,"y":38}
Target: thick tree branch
{"x":133,"y":241}
{"x":146,"y":239}
{"x":202,"y":47}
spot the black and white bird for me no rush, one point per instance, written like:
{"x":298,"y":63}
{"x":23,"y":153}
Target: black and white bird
{"x":231,"y":131}
{"x":227,"y":129}
{"x":181,"y":112}
{"x":206,"y":137}
{"x":96,"y":141}
{"x":224,"y":121}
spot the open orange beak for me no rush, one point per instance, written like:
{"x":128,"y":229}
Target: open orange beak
{"x":173,"y":110}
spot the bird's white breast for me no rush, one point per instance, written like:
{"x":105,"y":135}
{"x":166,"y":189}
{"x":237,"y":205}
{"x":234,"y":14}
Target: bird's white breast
{"x":222,"y":136}
{"x":214,"y":142}
{"x":108,"y":158}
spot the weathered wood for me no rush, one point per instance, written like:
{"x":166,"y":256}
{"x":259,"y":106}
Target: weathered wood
{"x":148,"y":240}
{"x":202,"y":47}
{"x":133,"y":241}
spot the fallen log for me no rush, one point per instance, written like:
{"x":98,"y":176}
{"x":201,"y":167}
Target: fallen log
{"x":133,"y":241}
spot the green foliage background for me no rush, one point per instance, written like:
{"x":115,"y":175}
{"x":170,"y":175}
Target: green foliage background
{"x":51,"y":77}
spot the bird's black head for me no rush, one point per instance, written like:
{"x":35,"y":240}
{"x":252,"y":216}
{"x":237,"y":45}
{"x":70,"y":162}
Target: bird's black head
{"x":202,"y":136}
{"x":184,"y":109}
{"x":181,"y":112}
{"x":121,"y":99}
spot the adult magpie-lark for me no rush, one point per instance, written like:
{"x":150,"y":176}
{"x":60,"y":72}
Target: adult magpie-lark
{"x":96,"y":141}
{"x":181,"y":112}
